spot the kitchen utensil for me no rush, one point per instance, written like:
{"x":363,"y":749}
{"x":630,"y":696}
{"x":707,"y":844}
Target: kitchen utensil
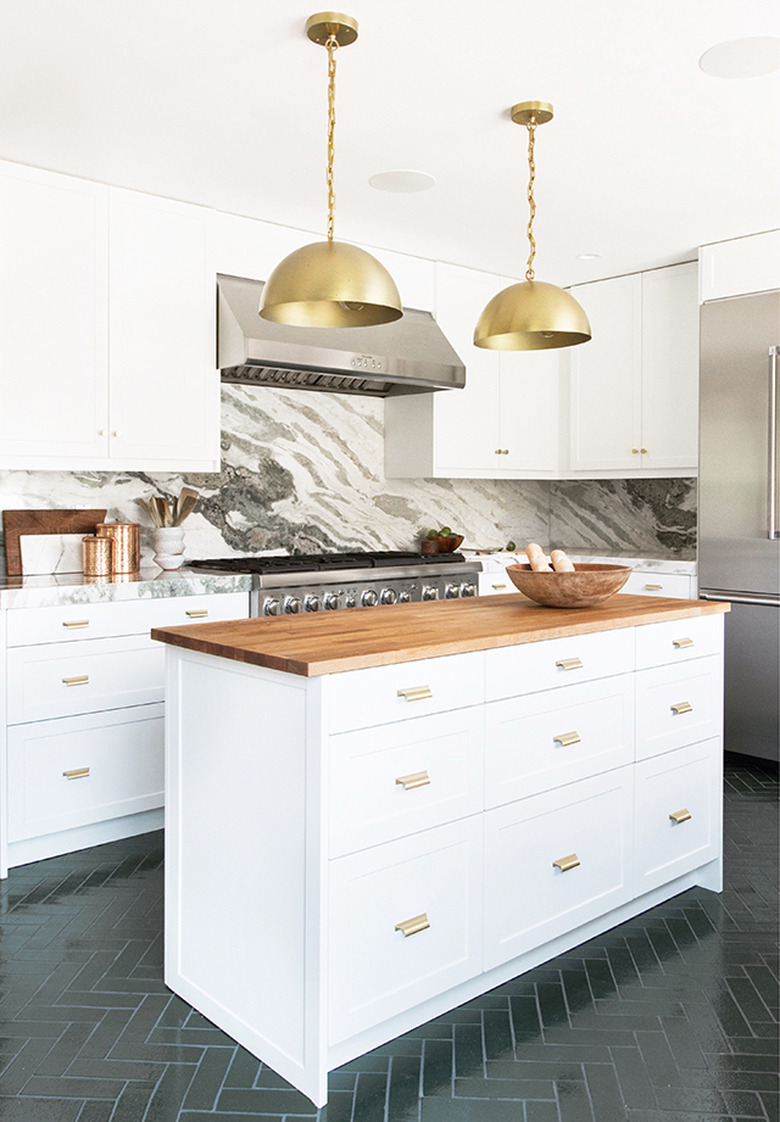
{"x":589,"y":584}
{"x":185,"y":506}
{"x":17,"y":522}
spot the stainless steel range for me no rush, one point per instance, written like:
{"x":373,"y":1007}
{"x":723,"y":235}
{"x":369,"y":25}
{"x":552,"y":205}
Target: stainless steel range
{"x":333,"y":581}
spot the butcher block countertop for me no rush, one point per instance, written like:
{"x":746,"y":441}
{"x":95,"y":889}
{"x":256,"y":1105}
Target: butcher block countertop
{"x":332,"y":642}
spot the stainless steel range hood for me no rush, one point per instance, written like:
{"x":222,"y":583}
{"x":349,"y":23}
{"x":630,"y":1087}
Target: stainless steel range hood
{"x":411,"y":355}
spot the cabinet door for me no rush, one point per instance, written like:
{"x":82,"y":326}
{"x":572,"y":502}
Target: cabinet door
{"x":670,"y":368}
{"x":164,"y":381}
{"x":53,"y":318}
{"x":740,"y":266}
{"x":529,"y":411}
{"x":606,"y":396}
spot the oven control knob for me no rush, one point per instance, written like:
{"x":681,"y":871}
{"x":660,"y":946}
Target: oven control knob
{"x":312,"y":604}
{"x":330,"y":601}
{"x":404,"y":596}
{"x":292,"y":605}
{"x":430,"y":592}
{"x":272,"y":606}
{"x":468,"y":589}
{"x":369,"y":598}
{"x":349,"y":600}
{"x":451,"y":592}
{"x":388,"y":596}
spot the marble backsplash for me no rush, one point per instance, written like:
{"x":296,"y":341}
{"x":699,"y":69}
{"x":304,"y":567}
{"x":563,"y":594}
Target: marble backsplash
{"x":305,"y":473}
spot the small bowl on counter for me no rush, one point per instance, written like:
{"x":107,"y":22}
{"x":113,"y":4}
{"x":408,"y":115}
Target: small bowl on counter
{"x":449,"y":544}
{"x":589,"y":584}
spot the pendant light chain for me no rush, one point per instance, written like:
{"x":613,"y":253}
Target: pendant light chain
{"x":332,"y":46}
{"x":529,"y":273}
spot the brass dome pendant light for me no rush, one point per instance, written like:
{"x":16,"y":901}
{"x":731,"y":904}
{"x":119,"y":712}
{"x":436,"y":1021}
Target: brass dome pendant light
{"x":531,"y":315}
{"x":330,"y":284}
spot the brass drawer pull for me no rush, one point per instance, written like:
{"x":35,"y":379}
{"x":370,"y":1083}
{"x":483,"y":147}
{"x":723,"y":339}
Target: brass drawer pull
{"x":682,"y":707}
{"x":497,"y":587}
{"x":566,"y":739}
{"x":413,"y":926}
{"x":415,"y":693}
{"x":77,"y":773}
{"x":569,"y":664}
{"x":566,"y":863}
{"x":79,"y":680}
{"x":415,"y":779}
{"x":197,"y":613}
{"x":680,"y":816}
{"x":653,"y":587}
{"x":75,"y":623}
{"x":681,"y":643}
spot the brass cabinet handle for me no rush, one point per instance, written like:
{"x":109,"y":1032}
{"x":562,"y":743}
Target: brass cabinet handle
{"x":78,"y":680}
{"x":502,"y":451}
{"x":680,"y":815}
{"x":77,"y":773}
{"x":75,"y":623}
{"x":198,"y":613}
{"x":680,"y":643}
{"x":569,"y":663}
{"x":566,"y":739}
{"x":566,"y":863}
{"x":415,"y":693}
{"x":653,"y":587}
{"x":413,"y":926}
{"x":498,"y":586}
{"x":681,"y":707}
{"x":415,"y":779}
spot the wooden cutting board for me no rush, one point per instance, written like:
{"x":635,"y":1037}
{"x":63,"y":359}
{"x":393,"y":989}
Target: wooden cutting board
{"x":18,"y":522}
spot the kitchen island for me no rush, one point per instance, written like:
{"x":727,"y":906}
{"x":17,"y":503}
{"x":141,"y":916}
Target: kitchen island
{"x":373,"y":816}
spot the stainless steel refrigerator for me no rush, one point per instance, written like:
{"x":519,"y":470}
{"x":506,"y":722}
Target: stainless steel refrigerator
{"x":739,"y":520}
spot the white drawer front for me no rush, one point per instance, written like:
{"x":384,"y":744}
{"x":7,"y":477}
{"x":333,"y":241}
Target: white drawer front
{"x":548,"y":739}
{"x":677,"y":705}
{"x":376,"y":970}
{"x":410,"y":689}
{"x":511,"y":671}
{"x":74,"y":622}
{"x":678,"y":640}
{"x":396,"y":779}
{"x":528,"y":898}
{"x":55,"y":681}
{"x":647,"y":583}
{"x":81,"y":770}
{"x":678,"y":813}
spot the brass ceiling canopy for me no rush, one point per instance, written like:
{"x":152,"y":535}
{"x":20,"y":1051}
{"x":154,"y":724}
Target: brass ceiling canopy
{"x":330,"y":284}
{"x":531,"y":315}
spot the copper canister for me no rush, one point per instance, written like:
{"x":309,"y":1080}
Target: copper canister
{"x":96,"y":556}
{"x":126,"y":536}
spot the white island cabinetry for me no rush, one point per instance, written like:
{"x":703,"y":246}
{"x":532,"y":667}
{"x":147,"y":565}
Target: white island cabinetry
{"x":423,"y":831}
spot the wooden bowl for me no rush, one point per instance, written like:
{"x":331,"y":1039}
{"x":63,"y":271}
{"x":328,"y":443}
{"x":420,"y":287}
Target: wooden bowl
{"x":589,"y":584}
{"x":449,"y":545}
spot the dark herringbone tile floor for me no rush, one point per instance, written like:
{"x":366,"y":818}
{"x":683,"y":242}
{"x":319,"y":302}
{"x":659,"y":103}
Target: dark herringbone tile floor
{"x":672,"y":1017}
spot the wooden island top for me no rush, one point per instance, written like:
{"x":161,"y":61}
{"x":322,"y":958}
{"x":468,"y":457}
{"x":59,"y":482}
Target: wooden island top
{"x":331,"y":642}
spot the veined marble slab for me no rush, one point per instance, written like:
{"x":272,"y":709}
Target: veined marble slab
{"x":50,"y":553}
{"x":74,"y":588}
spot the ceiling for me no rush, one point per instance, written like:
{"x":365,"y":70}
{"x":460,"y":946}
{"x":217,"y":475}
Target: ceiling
{"x":223,"y":103}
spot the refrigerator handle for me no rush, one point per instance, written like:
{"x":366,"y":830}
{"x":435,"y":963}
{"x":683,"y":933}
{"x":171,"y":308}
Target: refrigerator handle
{"x":773,"y":395}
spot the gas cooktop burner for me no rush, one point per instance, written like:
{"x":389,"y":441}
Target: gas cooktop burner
{"x":324,"y":562}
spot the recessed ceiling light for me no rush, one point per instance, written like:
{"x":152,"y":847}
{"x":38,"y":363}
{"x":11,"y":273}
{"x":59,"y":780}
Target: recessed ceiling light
{"x":588,"y":256}
{"x":742,"y":58}
{"x":403,"y":181}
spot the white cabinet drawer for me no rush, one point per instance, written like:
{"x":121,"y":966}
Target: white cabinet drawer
{"x":53,"y":680}
{"x":528,"y":898}
{"x":677,"y":705}
{"x":678,"y":813}
{"x":74,"y":622}
{"x":81,"y":770}
{"x":647,"y":583}
{"x":376,"y":970}
{"x":548,"y":739}
{"x":678,"y":640}
{"x":399,"y":692}
{"x":396,"y":779}
{"x":511,"y":671}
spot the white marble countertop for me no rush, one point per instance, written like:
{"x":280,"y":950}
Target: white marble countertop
{"x":74,"y":588}
{"x":493,"y":561}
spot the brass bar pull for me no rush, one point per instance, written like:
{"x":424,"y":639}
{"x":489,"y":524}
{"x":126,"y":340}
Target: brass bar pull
{"x":413,"y":926}
{"x":415,"y":779}
{"x":682,"y":707}
{"x":75,"y":623}
{"x":566,"y":863}
{"x":653,"y":587}
{"x":681,"y":643}
{"x":78,"y":680}
{"x":497,"y":587}
{"x":566,"y":739}
{"x":415,"y":693}
{"x":199,"y":613}
{"x":77,"y":773}
{"x":569,"y":664}
{"x":680,"y":816}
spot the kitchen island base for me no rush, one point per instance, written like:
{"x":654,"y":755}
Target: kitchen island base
{"x":340,"y":869}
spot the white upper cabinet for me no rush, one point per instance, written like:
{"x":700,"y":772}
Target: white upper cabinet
{"x":634,"y":386}
{"x":502,"y":425}
{"x":740,"y":266}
